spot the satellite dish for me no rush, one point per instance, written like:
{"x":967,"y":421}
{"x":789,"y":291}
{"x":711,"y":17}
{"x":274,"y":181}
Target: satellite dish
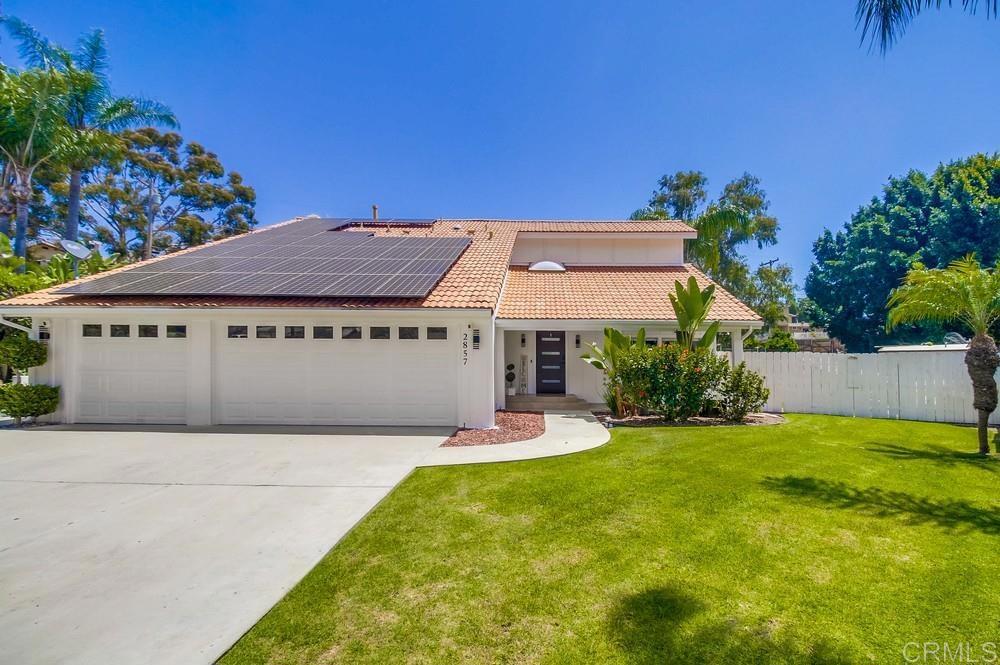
{"x":76,"y":249}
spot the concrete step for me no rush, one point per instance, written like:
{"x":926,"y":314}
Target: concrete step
{"x":546,"y":403}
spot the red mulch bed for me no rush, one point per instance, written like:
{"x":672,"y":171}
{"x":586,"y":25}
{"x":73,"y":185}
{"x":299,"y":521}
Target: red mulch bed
{"x":511,"y":426}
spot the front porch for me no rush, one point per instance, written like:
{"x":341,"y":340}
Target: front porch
{"x":549,"y":403}
{"x":547,"y":370}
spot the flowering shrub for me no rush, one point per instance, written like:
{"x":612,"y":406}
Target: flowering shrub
{"x":741,"y":392}
{"x":671,"y":381}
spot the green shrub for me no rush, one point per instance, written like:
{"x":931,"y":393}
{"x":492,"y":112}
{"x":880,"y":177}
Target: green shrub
{"x":14,"y":283}
{"x":631,"y":381}
{"x":741,"y":392}
{"x":20,"y":353}
{"x":23,"y":401}
{"x":670,"y":381}
{"x":777,"y":340}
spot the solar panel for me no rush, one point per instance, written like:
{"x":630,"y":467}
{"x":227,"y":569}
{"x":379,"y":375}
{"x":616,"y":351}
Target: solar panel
{"x":311,"y":257}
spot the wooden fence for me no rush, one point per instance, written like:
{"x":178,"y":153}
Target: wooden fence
{"x":924,"y":385}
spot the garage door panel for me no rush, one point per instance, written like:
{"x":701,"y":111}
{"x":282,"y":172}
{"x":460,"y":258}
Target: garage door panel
{"x":335,"y":382}
{"x":132,"y":381}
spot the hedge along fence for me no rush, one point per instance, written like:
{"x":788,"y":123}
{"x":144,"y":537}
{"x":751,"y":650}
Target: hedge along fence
{"x":921,"y":385}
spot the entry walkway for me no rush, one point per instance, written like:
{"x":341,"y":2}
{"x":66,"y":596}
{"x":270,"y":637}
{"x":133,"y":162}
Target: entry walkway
{"x":565,"y":432}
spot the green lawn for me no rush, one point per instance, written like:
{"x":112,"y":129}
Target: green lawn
{"x":822,"y":540}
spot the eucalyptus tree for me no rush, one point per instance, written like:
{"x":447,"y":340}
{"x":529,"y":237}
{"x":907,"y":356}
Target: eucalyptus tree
{"x":885,"y":21}
{"x":90,"y":103}
{"x":170,"y":192}
{"x":965,"y":293}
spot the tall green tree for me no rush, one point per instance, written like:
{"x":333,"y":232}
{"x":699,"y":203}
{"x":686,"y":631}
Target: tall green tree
{"x":164,"y":193}
{"x":931,"y":219}
{"x":964,"y":293}
{"x":737,"y":218}
{"x":90,"y":104}
{"x":34,"y":133}
{"x":883,"y":22}
{"x":771,"y":293}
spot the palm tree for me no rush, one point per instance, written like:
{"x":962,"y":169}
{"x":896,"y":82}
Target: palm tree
{"x":966,"y":293}
{"x":713,"y":226}
{"x":33,"y":131}
{"x":90,"y":103}
{"x":885,"y":21}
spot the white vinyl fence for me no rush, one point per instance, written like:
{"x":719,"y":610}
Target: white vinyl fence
{"x":925,"y":385}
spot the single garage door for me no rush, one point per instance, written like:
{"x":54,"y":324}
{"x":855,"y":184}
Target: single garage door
{"x":335,"y":375}
{"x":131,"y":373}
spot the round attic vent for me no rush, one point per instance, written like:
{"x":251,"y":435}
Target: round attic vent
{"x":547,"y":266}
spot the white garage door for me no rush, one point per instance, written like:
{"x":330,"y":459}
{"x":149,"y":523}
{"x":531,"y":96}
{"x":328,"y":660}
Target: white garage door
{"x":132,"y":373}
{"x":317,"y":375}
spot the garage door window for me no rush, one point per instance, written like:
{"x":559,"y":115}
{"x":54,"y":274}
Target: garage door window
{"x":237,"y":332}
{"x":146,"y":330}
{"x":322,"y":332}
{"x":119,"y":330}
{"x":350,"y":332}
{"x":177,"y":332}
{"x":379,"y":332}
{"x":409,"y":332}
{"x":267,"y":332}
{"x":92,"y":330}
{"x":437,"y":333}
{"x":295,"y":332}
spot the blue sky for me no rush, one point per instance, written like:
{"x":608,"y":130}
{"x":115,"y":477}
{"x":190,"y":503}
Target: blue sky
{"x":546,"y":109}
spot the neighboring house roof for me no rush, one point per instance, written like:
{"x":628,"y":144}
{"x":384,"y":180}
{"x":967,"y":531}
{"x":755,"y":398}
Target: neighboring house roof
{"x":608,"y":293}
{"x":43,"y":250}
{"x":475,"y":280}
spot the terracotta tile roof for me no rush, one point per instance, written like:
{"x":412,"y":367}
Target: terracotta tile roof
{"x":608,"y":292}
{"x":473,"y":282}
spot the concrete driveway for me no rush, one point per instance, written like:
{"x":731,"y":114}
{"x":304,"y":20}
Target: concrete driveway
{"x":164,"y":547}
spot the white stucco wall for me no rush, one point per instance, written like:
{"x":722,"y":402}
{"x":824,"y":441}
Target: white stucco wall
{"x":521,"y":357}
{"x":598,"y":249}
{"x":582,"y":380}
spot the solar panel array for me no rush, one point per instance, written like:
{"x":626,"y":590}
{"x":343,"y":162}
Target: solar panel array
{"x":311,"y":257}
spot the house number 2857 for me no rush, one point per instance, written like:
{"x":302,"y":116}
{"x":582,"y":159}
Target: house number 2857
{"x":465,"y":348}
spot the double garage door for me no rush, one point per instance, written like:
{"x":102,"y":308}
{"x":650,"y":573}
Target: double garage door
{"x":276,"y":374}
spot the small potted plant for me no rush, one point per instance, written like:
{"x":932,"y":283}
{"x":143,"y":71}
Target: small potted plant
{"x":510,"y":376}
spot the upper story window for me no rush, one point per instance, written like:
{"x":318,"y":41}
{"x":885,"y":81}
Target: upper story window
{"x":547,"y":266}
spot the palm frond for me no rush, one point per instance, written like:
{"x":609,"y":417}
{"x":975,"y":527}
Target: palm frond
{"x":32,"y":47}
{"x":124,"y":112}
{"x":963,"y":292}
{"x":883,"y":22}
{"x":713,"y":226}
{"x":91,"y":54}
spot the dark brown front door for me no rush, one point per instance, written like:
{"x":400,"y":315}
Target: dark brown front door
{"x":550,"y":359}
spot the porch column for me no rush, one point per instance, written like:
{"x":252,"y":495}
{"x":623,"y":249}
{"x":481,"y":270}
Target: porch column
{"x":737,"y":337}
{"x":499,"y":369}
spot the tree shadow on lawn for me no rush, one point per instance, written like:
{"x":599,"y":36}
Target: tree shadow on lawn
{"x":935,"y":453}
{"x":877,"y":502}
{"x":647,"y":627}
